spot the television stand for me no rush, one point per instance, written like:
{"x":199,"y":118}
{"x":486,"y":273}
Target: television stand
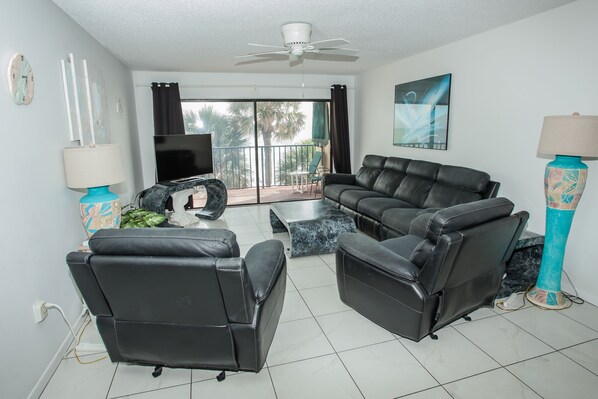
{"x":155,"y":197}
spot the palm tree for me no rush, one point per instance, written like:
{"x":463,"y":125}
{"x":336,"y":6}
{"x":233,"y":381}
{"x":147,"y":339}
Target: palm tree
{"x":276,"y":121}
{"x":191,"y":120}
{"x":229,"y":165}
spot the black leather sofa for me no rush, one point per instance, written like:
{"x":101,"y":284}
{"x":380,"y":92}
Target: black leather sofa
{"x":182,"y":297}
{"x":388,"y":194}
{"x":414,"y":285}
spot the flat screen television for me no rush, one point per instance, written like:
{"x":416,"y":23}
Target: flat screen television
{"x":183,"y":156}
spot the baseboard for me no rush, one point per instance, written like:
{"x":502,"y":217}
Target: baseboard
{"x":43,"y":380}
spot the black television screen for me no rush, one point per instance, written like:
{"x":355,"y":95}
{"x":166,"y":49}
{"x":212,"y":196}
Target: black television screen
{"x":183,"y":156}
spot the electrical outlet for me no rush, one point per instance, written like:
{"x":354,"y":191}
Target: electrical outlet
{"x":40,"y":311}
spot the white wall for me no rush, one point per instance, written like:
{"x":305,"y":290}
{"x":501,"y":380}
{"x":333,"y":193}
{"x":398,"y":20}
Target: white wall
{"x":503,"y":83}
{"x":225,"y":86}
{"x":40,"y":222}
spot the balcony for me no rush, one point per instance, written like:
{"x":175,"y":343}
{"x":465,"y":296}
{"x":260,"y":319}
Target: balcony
{"x":238,"y":169}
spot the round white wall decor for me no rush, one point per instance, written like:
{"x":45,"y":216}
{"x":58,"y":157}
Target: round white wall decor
{"x":20,"y":79}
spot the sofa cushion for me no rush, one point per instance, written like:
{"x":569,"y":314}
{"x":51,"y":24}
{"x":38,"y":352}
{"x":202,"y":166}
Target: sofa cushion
{"x":464,"y":178}
{"x":334,"y":191}
{"x":388,"y":181}
{"x":374,"y":161}
{"x":350,"y":198}
{"x":372,"y":166}
{"x":397,"y":164}
{"x":414,"y":190}
{"x":456,"y":185}
{"x":424,"y":169}
{"x":416,"y":185}
{"x":399,"y":219}
{"x":366,"y":177}
{"x":375,"y":207}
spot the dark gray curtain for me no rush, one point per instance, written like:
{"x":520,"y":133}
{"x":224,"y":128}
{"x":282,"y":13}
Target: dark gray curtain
{"x":168,"y":113}
{"x":339,"y":129}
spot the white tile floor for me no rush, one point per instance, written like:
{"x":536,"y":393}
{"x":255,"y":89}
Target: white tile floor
{"x":324,"y":349}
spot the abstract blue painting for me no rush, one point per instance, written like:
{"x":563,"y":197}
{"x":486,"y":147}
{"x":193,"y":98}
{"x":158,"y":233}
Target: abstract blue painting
{"x":422,"y":113}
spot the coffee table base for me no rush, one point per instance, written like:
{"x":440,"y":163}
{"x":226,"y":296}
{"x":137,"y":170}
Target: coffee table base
{"x":313,"y":236}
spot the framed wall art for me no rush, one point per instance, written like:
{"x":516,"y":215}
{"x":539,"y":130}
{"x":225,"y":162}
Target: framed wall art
{"x":421,"y":113}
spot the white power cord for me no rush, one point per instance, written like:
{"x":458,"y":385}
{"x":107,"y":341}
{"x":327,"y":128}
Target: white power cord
{"x":54,"y":306}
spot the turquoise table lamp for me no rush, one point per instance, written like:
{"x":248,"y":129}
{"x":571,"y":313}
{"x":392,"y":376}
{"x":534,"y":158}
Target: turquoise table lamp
{"x":95,"y":167}
{"x":569,"y":138}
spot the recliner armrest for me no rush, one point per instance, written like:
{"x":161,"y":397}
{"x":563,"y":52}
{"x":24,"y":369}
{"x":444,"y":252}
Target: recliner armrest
{"x":265,"y":262}
{"x":370,"y":251}
{"x":237,"y":291}
{"x":87,"y":283}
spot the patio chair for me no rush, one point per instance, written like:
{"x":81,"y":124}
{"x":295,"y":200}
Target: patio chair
{"x":314,"y":175}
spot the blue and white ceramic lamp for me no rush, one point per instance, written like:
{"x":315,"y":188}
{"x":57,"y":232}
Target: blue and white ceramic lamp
{"x":96,"y":167}
{"x":569,"y":138}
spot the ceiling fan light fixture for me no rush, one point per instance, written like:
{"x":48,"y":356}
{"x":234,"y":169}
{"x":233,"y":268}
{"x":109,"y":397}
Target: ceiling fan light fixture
{"x":297,"y":51}
{"x":296,"y":33}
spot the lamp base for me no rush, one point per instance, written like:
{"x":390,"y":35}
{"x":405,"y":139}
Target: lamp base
{"x":99,"y":209}
{"x":547,"y":299}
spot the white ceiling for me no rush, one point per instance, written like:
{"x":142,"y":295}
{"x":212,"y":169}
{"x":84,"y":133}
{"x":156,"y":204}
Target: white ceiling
{"x":204,"y":36}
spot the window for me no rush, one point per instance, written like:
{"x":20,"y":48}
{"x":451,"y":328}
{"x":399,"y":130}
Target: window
{"x":257,"y":145}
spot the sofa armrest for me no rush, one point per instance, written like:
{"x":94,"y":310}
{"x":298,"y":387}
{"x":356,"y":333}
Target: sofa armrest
{"x":265,"y":263}
{"x":370,"y":251}
{"x":338,"y":178}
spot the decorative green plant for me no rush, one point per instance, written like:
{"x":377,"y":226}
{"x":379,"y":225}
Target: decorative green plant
{"x":137,"y":218}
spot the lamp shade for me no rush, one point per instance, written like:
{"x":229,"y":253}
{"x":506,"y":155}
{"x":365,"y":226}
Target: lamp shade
{"x":93,"y":166}
{"x":573,"y":135}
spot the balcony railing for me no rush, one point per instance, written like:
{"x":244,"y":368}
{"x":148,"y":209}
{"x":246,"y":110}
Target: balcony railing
{"x":236,"y":166}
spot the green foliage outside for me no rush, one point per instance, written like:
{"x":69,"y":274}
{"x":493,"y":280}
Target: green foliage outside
{"x":276,"y":121}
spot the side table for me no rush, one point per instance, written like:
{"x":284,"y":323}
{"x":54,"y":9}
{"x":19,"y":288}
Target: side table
{"x":155,"y":197}
{"x":299,"y":181}
{"x":523,"y":267}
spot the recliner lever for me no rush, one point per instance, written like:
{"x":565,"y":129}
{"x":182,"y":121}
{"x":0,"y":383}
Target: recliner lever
{"x":220,"y":377}
{"x":157,"y":371}
{"x":466,"y":318}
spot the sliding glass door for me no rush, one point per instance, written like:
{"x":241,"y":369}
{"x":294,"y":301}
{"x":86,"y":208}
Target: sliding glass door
{"x":264,"y":151}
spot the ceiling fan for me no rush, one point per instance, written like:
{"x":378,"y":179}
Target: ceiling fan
{"x":296,"y":37}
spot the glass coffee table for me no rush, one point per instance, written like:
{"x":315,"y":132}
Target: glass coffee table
{"x":313,"y":226}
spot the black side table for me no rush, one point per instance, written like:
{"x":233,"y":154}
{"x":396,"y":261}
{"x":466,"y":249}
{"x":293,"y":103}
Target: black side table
{"x":524,"y":265}
{"x":155,"y":197}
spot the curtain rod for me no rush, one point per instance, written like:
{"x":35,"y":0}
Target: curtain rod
{"x":190,"y":86}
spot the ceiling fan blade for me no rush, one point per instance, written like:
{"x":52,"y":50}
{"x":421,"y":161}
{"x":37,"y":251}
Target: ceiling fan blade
{"x":329,"y":43}
{"x":331,"y":49}
{"x":267,"y":53}
{"x":269,"y":58}
{"x":330,"y":57}
{"x":266,"y":45}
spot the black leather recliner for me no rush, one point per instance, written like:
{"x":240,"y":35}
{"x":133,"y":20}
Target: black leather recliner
{"x":416,"y":284}
{"x":182,"y":297}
